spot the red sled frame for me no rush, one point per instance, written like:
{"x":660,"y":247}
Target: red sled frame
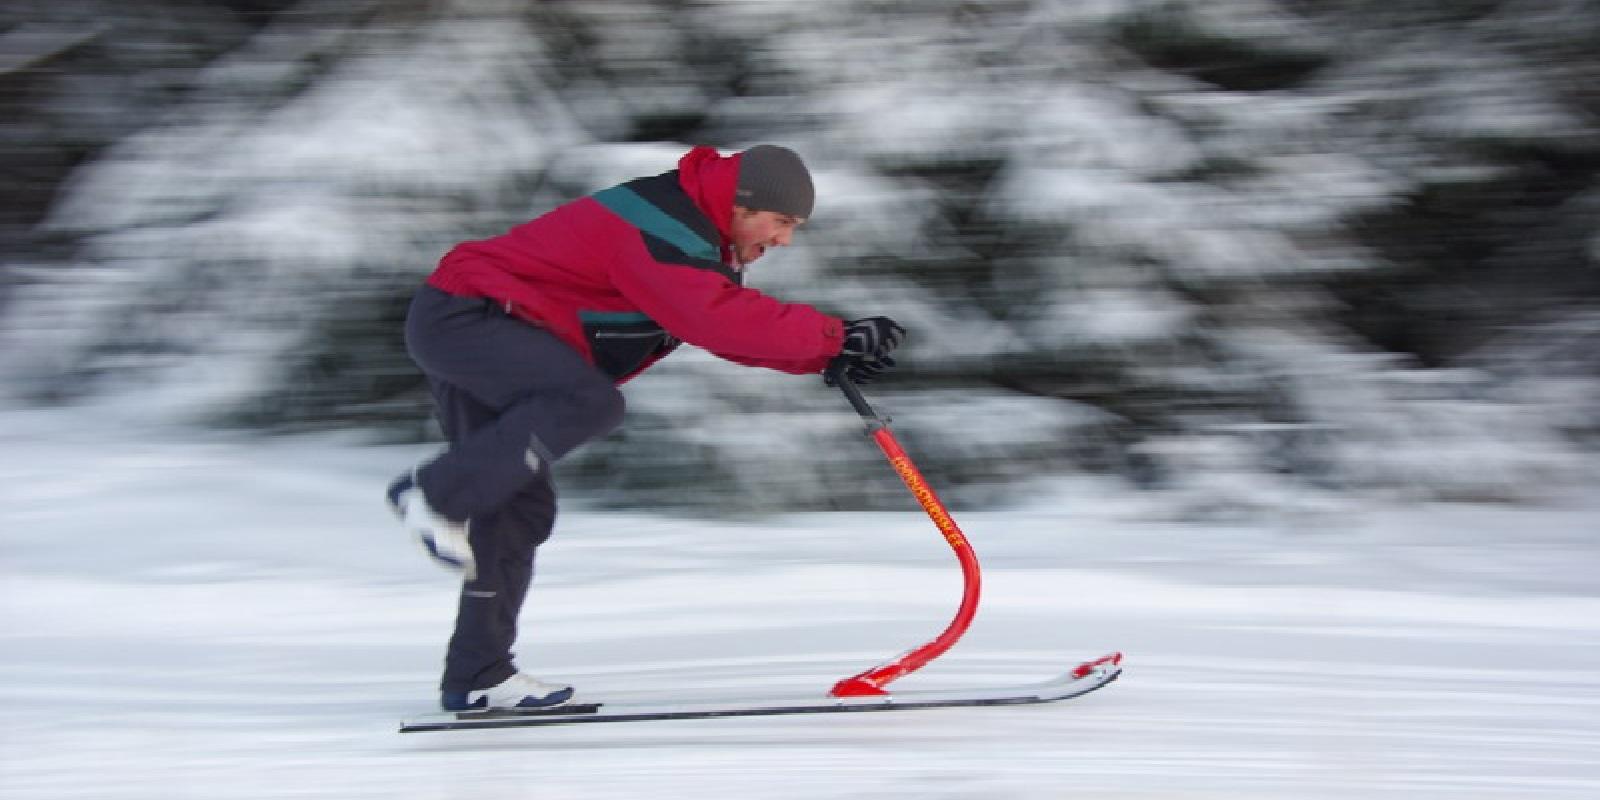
{"x":872,"y":681}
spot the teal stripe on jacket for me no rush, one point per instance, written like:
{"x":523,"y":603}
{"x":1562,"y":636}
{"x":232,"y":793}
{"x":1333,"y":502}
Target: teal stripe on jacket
{"x":614,"y":317}
{"x":644,"y":215}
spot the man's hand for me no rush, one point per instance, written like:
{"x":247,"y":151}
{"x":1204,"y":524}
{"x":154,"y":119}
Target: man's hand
{"x":865,"y":354}
{"x":871,"y":338}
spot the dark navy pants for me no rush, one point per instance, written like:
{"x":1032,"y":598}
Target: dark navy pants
{"x":512,"y":400}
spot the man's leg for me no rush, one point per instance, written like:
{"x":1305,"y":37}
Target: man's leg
{"x":544,"y":400}
{"x":516,"y":377}
{"x":504,"y":543}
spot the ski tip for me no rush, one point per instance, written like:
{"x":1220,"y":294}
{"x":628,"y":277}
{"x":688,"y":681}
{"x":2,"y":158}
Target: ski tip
{"x":1104,"y":662}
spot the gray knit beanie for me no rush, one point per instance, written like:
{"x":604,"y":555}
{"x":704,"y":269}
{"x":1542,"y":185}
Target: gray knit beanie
{"x":772,"y":178}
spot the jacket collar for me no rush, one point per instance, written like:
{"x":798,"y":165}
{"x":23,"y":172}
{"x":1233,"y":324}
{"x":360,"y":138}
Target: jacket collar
{"x":710,"y":180}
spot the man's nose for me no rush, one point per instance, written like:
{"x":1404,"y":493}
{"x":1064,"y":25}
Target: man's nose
{"x":784,"y":237}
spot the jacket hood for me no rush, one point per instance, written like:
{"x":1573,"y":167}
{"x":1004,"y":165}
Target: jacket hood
{"x":710,"y":180}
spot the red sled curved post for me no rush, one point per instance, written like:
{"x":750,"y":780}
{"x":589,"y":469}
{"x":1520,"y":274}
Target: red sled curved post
{"x":873,"y":680}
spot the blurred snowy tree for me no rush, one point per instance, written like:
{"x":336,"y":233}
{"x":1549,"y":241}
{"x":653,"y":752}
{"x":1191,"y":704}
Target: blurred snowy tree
{"x":77,"y":76}
{"x":1164,"y":239}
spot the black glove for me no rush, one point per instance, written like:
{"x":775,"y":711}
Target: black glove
{"x":857,"y":370}
{"x":865,"y":353}
{"x":871,"y":338}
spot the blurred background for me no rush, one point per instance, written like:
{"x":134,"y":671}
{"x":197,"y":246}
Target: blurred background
{"x":1247,"y":253}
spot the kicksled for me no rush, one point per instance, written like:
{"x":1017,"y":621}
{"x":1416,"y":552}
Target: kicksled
{"x":864,"y":692}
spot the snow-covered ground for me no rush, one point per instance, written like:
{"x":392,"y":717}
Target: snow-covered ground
{"x":209,"y":617}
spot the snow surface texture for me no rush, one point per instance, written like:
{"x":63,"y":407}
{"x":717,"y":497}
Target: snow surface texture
{"x":228,"y":618}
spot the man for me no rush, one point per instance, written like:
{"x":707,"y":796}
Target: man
{"x":524,"y":338}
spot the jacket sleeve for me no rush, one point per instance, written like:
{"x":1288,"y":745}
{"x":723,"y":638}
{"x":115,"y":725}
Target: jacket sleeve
{"x":807,"y":367}
{"x":704,"y":308}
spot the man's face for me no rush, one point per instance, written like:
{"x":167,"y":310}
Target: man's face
{"x":755,"y":231}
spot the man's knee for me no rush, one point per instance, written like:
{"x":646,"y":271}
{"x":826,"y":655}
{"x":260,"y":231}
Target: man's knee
{"x":601,"y":405}
{"x":610,"y":406}
{"x":530,"y":514}
{"x":560,"y":422}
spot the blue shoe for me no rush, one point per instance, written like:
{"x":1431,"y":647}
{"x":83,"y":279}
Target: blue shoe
{"x":446,"y":542}
{"x":517,"y":691}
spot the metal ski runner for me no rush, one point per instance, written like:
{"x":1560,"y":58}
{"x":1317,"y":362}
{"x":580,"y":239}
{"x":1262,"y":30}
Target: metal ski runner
{"x":1081,"y":680}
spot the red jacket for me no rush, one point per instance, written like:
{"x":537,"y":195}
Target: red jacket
{"x":623,"y":274}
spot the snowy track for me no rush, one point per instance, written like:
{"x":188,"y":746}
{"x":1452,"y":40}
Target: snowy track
{"x":222,"y":620}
